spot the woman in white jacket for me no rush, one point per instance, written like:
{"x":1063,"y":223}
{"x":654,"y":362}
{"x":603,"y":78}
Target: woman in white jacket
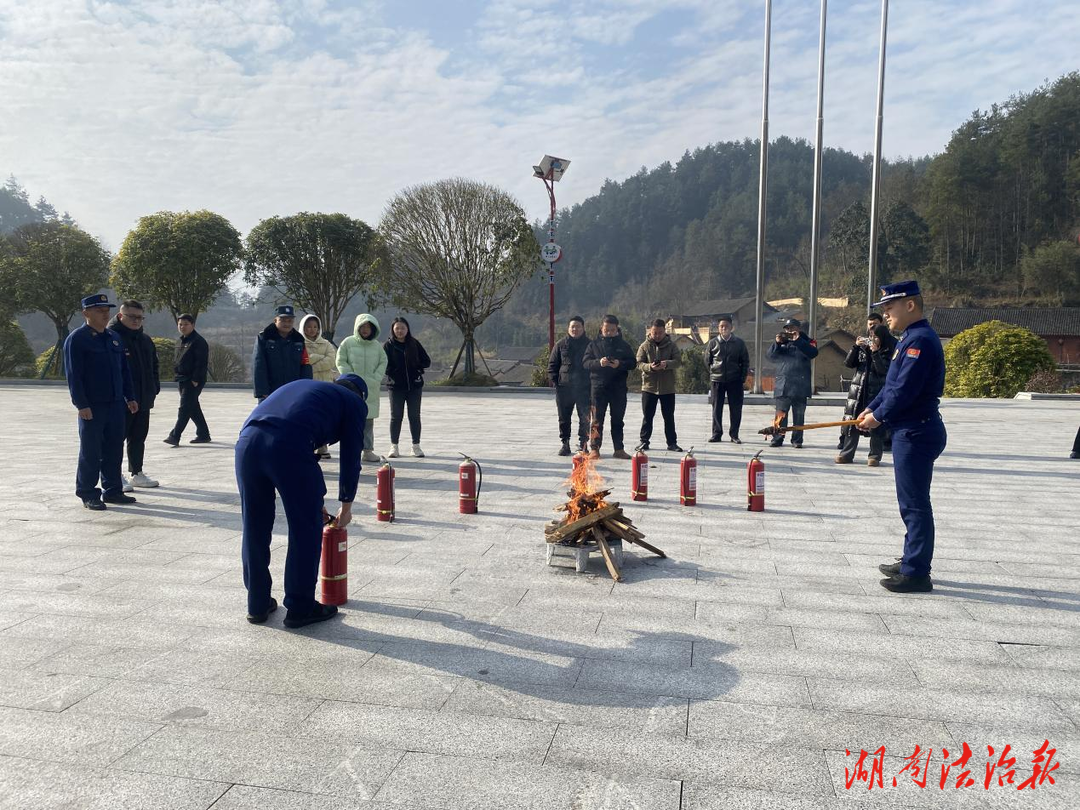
{"x":362,"y":354}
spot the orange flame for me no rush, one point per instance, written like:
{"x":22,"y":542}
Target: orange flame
{"x":779,"y":418}
{"x":584,"y":482}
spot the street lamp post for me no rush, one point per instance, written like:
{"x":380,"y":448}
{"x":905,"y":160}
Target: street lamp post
{"x":550,"y":171}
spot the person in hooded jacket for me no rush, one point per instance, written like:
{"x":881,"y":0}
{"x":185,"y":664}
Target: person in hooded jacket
{"x":143,"y":362}
{"x":570,"y":379}
{"x":280,"y":355}
{"x":608,"y":359}
{"x":658,"y":357}
{"x":405,"y":364}
{"x":322,"y":355}
{"x":870,"y":357}
{"x":362,"y":354}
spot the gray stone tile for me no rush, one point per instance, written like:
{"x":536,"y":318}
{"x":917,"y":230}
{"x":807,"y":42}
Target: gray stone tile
{"x":738,"y":764}
{"x":197,"y":706}
{"x":993,"y":679}
{"x":1024,"y":742}
{"x":706,"y":795}
{"x":587,"y":707}
{"x":30,"y":783}
{"x":805,"y":663}
{"x":263,"y":760}
{"x":446,"y":732}
{"x":10,"y":618}
{"x":133,"y":632}
{"x":457,"y":783}
{"x":48,"y":692}
{"x":16,"y":653}
{"x":899,"y":646}
{"x":987,"y":631}
{"x":245,"y":797}
{"x":64,"y":737}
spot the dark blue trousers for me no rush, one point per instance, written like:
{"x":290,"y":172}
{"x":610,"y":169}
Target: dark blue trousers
{"x":915,"y":448}
{"x":795,"y":408}
{"x":101,"y":451}
{"x":268,"y":460}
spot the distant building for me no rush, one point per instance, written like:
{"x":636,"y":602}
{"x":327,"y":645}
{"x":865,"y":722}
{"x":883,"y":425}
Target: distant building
{"x":697,"y":324}
{"x":1059,"y":326}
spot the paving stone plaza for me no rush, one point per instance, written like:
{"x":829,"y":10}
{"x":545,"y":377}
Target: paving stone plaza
{"x":465,"y":673}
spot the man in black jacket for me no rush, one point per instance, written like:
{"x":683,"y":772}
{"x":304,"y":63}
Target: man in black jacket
{"x":791,"y":354}
{"x":192,"y":358}
{"x":729,"y":365}
{"x":143,"y":361}
{"x":569,"y":378}
{"x":608,"y":359}
{"x":280,"y":355}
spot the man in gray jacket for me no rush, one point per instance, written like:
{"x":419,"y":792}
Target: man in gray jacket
{"x":791,"y":354}
{"x":729,"y":365}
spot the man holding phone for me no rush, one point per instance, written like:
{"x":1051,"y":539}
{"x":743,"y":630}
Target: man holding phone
{"x":658,"y":357}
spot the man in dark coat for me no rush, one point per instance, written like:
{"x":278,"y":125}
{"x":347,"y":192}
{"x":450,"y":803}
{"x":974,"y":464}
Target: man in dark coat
{"x":729,"y":366}
{"x":99,"y":382}
{"x":280,"y":355}
{"x":608,"y":359}
{"x":570,"y":379}
{"x":276,"y":454}
{"x":192,"y":361}
{"x":791,"y":354}
{"x":143,"y":361}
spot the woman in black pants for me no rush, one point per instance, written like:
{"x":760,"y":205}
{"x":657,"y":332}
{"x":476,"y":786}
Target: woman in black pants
{"x":870,"y":357}
{"x":405,"y":364}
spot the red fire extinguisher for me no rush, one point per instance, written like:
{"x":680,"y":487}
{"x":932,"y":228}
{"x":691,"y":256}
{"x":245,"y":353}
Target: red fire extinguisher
{"x":334,"y":574}
{"x":639,"y":476}
{"x":688,"y":479}
{"x":755,"y":484}
{"x":470,"y":479}
{"x":384,"y":493}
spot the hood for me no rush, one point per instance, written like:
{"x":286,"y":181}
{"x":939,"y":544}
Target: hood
{"x":303,"y":323}
{"x":121,"y":327}
{"x":366,"y":317}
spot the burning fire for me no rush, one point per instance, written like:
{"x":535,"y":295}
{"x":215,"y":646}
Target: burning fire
{"x":585,"y":488}
{"x":779,"y":418}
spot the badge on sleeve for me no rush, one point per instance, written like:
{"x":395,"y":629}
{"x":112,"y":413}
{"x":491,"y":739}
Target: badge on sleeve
{"x":914,"y":353}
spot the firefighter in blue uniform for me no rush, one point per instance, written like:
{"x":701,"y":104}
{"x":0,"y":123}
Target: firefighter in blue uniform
{"x":99,"y":382}
{"x":276,"y":451}
{"x":908,"y":405}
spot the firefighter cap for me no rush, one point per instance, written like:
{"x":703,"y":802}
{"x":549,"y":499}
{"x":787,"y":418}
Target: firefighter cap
{"x":99,"y":300}
{"x":354,"y":383}
{"x":901,"y":289}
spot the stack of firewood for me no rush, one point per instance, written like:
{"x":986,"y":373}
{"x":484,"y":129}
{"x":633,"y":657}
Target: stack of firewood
{"x":598,"y":527}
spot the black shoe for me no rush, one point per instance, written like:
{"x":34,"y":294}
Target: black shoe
{"x":319,"y":613}
{"x":1074,"y":454}
{"x":674,"y":448}
{"x":200,"y":440}
{"x":94,"y":504}
{"x":797,"y":446}
{"x":736,"y":440}
{"x":620,"y":453}
{"x":259,"y":618}
{"x":715,"y":438}
{"x":565,"y":449}
{"x":890,"y":569}
{"x":903,"y":584}
{"x":120,"y":498}
{"x":175,"y":442}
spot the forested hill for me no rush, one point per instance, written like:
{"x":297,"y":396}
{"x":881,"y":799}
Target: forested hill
{"x":993,"y":218}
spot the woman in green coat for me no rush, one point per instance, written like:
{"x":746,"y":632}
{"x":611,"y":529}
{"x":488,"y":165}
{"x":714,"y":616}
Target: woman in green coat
{"x":362,"y":354}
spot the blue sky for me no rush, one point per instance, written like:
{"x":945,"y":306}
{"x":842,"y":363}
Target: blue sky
{"x":117,"y":109}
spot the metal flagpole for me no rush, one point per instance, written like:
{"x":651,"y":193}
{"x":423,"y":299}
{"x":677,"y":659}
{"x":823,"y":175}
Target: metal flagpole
{"x":876,"y":181}
{"x":815,"y":247}
{"x":762,"y":188}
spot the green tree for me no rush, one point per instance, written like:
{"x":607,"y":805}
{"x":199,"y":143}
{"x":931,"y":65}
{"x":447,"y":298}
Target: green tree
{"x":180,"y":262}
{"x":539,"y":378}
{"x":1052,"y":270}
{"x":456,"y":249}
{"x":16,"y":356}
{"x":997,"y":361}
{"x":49,"y":267}
{"x":320,"y":262}
{"x":907,"y":241}
{"x":692,"y":375}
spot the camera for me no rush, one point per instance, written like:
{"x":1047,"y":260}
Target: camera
{"x":783,"y":337}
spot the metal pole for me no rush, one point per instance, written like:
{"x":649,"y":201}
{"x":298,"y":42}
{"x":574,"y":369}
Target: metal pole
{"x":549,"y":182}
{"x":762,"y":188}
{"x":876,"y":181}
{"x":815,"y":235}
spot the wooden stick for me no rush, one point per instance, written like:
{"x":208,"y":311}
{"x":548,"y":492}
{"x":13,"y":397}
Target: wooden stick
{"x":624,"y":526}
{"x":581,"y":524}
{"x":605,"y":552}
{"x":773,"y":430}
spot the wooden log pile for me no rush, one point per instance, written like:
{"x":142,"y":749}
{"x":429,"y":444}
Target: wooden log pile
{"x":597,"y":525}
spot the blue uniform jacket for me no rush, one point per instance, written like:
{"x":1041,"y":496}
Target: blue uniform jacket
{"x":916,"y":379}
{"x":97,"y":368}
{"x":278,"y":360}
{"x":792,"y":361}
{"x":315,"y":413}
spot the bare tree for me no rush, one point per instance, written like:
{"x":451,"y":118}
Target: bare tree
{"x":456,"y":249}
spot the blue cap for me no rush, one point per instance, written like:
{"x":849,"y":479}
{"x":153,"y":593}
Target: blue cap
{"x":99,"y":300}
{"x":894,"y":292}
{"x":354,"y":382}
{"x":284,"y":311}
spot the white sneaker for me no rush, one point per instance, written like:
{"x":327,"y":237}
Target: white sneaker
{"x":369,"y":456}
{"x":127,"y":485}
{"x":417,"y":452}
{"x":142,"y":480}
{"x":393,"y":452}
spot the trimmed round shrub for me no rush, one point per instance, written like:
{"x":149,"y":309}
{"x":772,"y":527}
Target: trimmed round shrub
{"x":994,"y":359}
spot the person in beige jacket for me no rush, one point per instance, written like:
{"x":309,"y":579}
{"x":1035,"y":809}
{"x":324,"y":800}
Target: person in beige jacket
{"x":657,"y":358}
{"x":322,"y":357}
